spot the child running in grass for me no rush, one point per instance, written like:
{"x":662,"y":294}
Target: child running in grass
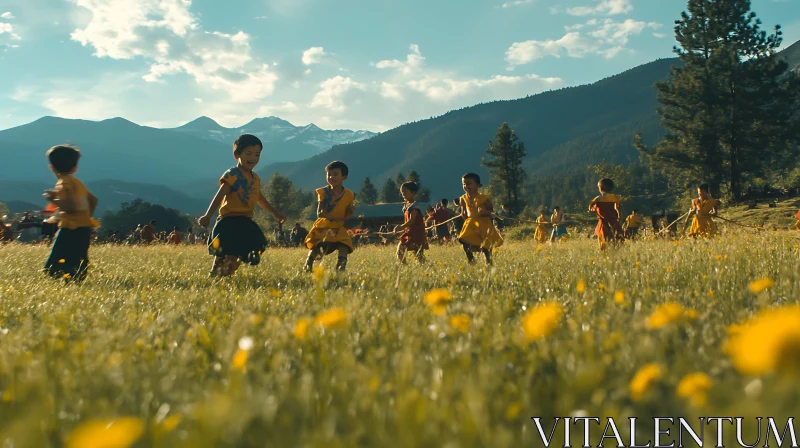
{"x":704,"y":207}
{"x":236,"y":237}
{"x":606,"y":207}
{"x":335,"y":207}
{"x":797,"y":224}
{"x":543,"y":229}
{"x":413,"y":237}
{"x":69,"y":256}
{"x":632,"y":224}
{"x":478,"y":233}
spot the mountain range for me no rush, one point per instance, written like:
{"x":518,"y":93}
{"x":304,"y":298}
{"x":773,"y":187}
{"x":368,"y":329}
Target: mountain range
{"x":561,"y":129}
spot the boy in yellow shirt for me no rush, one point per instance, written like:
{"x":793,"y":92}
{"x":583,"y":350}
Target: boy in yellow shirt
{"x":632,"y":224}
{"x":69,"y":256}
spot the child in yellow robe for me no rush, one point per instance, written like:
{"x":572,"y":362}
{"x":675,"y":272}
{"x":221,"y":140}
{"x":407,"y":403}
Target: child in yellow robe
{"x":632,"y":224}
{"x":606,"y":207}
{"x":704,"y":207}
{"x":335,"y":207}
{"x":543,"y":227}
{"x":478,"y":234}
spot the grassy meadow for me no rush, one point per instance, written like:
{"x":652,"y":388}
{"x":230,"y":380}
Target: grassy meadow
{"x":150,"y":351}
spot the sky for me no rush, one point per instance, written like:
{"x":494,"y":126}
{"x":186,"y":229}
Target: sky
{"x":344,"y":64}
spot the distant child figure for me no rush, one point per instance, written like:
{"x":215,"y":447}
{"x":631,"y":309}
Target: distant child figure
{"x":543,"y":229}
{"x":704,"y":207}
{"x":606,"y":207}
{"x":413,"y":237}
{"x":478,"y":233}
{"x":632,"y":224}
{"x":149,"y":232}
{"x":797,"y":224}
{"x":69,"y":256}
{"x":236,"y":237}
{"x":175,"y":237}
{"x":191,"y":238}
{"x":557,"y":220}
{"x":335,"y":207}
{"x":501,"y":216}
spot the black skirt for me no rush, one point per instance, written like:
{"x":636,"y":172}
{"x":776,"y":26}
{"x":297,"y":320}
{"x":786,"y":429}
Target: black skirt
{"x":237,"y":236}
{"x":70,"y":253}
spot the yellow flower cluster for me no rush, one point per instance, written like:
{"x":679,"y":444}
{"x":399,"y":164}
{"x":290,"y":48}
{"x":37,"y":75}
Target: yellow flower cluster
{"x":438,"y":299}
{"x":541,"y":320}
{"x":769,"y":342}
{"x":643,"y":379}
{"x":669,"y":313}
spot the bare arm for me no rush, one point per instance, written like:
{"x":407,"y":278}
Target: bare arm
{"x":264,"y":203}
{"x":415,"y":216}
{"x":205,"y":220}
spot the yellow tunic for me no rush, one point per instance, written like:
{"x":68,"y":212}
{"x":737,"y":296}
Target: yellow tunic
{"x":70,"y":188}
{"x":245,"y":191}
{"x":478,"y":231}
{"x":543,"y":230}
{"x":702,"y":223}
{"x":328,"y":231}
{"x":633,"y":221}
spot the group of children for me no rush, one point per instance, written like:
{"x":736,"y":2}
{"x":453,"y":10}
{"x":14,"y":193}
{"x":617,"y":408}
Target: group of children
{"x":236,"y":238}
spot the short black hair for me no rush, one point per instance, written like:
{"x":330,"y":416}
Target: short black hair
{"x":703,"y":187}
{"x":606,"y":185}
{"x":338,"y":165}
{"x":175,"y":229}
{"x":153,"y":222}
{"x":410,"y":186}
{"x":472,"y":176}
{"x":189,"y":230}
{"x":64,"y":158}
{"x":444,"y":202}
{"x":556,"y":208}
{"x":245,"y":141}
{"x":634,"y":211}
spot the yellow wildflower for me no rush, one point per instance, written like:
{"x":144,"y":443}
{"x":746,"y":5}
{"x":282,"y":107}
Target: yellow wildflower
{"x":460,"y":322}
{"x":602,"y":287}
{"x":539,"y":248}
{"x":580,"y":287}
{"x":643,"y":379}
{"x":513,"y":410}
{"x":61,"y":261}
{"x":769,"y":342}
{"x":171,"y":422}
{"x":619,"y":297}
{"x":756,"y":286}
{"x":693,"y":387}
{"x":541,"y":320}
{"x":240,"y":359}
{"x":301,"y":329}
{"x":669,"y":313}
{"x":106,"y":433}
{"x":333,"y":318}
{"x":274,"y":292}
{"x":438,"y":296}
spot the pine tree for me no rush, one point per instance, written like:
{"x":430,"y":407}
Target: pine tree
{"x":506,"y":175}
{"x":399,"y":179}
{"x":728,"y":108}
{"x":368,"y":194}
{"x":390,"y":192}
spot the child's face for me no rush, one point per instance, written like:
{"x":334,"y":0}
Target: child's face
{"x":702,"y":193}
{"x":249,"y":157}
{"x":407,"y":194}
{"x":470,"y":186}
{"x":335,"y":177}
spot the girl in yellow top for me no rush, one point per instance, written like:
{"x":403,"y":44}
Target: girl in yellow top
{"x":703,"y":208}
{"x":543,"y":227}
{"x":478,"y":233}
{"x":69,"y":256}
{"x":335,"y":207}
{"x":236,"y":237}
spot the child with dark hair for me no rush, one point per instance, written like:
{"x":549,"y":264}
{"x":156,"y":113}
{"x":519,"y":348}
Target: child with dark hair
{"x":69,"y":255}
{"x":335,"y":207}
{"x":557,"y":220}
{"x":236,"y":237}
{"x":478,"y":234}
{"x":606,"y":207}
{"x":704,"y":207}
{"x":413,"y":227}
{"x":632,"y":224}
{"x":175,"y":237}
{"x":543,"y":228}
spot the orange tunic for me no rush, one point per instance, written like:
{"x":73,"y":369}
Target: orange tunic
{"x":608,"y":225}
{"x":414,"y":237}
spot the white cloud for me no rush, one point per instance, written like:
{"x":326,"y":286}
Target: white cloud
{"x":445,"y":90}
{"x":605,"y":7}
{"x":574,"y":44}
{"x":618,"y":33}
{"x":413,"y":62}
{"x":333,"y":91}
{"x":515,"y":3}
{"x":307,"y":72}
{"x":313,"y":55}
{"x":7,"y":28}
{"x":391,"y":91}
{"x":278,"y":109}
{"x":7,"y":15}
{"x":198,"y":100}
{"x":167,"y":34}
{"x":659,"y":35}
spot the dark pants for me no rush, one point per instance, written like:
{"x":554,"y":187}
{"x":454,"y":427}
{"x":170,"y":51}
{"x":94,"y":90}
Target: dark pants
{"x":70,"y":253}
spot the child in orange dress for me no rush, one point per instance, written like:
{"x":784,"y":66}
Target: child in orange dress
{"x":704,"y":207}
{"x":175,"y":237}
{"x":606,"y":207}
{"x":797,"y":224}
{"x":413,"y":237}
{"x":335,"y":207}
{"x":478,"y":232}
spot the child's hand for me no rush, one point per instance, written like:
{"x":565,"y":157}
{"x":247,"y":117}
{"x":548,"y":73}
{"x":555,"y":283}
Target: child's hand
{"x":49,"y":195}
{"x":204,"y":220}
{"x":279,"y":217}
